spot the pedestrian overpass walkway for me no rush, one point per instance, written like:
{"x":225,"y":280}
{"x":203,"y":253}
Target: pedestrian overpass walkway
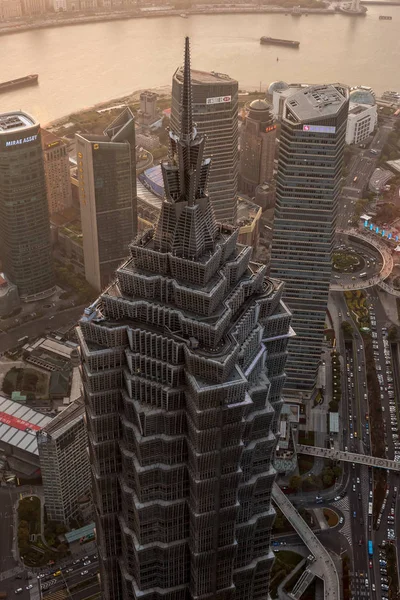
{"x":361,"y":459}
{"x":323,"y":567}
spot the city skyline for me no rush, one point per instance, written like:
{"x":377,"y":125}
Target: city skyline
{"x":199,"y":366}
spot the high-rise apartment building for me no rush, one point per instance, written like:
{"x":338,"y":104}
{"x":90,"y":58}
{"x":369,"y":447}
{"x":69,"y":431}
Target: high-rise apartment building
{"x":107,"y":193}
{"x":257,"y":147}
{"x":25,"y":246}
{"x":57,"y":172}
{"x":312,"y":139}
{"x":64,"y":464}
{"x":183,"y":365}
{"x":33,"y":7}
{"x":10,"y":9}
{"x":215,"y":113}
{"x":148,"y":108}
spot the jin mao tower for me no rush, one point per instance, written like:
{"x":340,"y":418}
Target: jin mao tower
{"x":183,"y":365}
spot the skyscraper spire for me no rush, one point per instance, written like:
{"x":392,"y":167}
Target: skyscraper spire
{"x":187,"y":118}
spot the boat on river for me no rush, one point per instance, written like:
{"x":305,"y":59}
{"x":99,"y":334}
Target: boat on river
{"x":279,"y":42}
{"x":20,"y":82}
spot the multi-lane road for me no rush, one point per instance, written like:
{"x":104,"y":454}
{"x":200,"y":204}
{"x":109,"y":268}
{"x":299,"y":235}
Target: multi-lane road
{"x":75,"y":572}
{"x":52,"y":321}
{"x":369,"y":576}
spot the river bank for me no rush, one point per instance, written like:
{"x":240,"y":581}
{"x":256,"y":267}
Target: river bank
{"x":58,"y":125}
{"x":64,"y":20}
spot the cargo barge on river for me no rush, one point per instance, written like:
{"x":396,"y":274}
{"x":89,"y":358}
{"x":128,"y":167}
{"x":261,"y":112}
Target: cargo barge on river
{"x":278,"y":42}
{"x":20,"y":82}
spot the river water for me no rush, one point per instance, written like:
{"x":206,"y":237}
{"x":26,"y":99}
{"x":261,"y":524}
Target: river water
{"x":82,"y":65}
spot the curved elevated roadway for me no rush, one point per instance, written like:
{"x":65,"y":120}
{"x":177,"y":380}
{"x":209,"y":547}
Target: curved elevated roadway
{"x":362,"y":459}
{"x":324,"y":566}
{"x":387,"y":263}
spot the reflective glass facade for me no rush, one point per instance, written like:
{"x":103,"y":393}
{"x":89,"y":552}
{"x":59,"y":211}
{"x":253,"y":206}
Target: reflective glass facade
{"x":215,"y":110}
{"x":25,"y":245}
{"x":107,"y":192}
{"x":312,"y":140}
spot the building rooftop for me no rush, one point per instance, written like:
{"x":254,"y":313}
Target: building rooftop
{"x":19,"y":424}
{"x":316,"y":102}
{"x":358,"y":109}
{"x":15,"y":121}
{"x":77,"y":534}
{"x":334,"y":422}
{"x":59,"y":383}
{"x":49,"y":139}
{"x":65,"y":419}
{"x":200,"y":77}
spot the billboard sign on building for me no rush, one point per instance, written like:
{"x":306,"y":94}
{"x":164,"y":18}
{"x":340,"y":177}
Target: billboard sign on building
{"x":17,"y":423}
{"x":319,"y":128}
{"x":219,"y":100}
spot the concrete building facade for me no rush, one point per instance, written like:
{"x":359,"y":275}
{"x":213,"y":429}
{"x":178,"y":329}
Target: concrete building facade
{"x":183,"y":365}
{"x":10,"y":9}
{"x":64,"y":463}
{"x":361,"y":122}
{"x":148,"y":108}
{"x":33,"y":7}
{"x":25,"y":245}
{"x":215,"y":110}
{"x":57,"y":172}
{"x":107,"y":192}
{"x":257,"y":148}
{"x":312,"y":139}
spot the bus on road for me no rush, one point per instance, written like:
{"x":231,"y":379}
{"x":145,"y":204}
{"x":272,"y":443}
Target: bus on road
{"x":370,"y":549}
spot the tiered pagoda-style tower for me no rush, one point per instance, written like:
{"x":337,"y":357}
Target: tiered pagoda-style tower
{"x":183,"y":365}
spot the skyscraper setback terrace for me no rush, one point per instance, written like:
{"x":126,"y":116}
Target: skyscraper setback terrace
{"x":183,"y":365}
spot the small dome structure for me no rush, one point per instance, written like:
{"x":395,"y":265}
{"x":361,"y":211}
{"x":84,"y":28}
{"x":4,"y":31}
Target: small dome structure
{"x":260,"y":110}
{"x":259,"y":105}
{"x":277,"y":86}
{"x":360,"y":96}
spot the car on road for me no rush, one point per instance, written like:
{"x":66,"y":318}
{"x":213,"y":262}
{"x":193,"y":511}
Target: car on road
{"x":87,"y":562}
{"x":336,"y":498}
{"x":18,"y":591}
{"x":29,"y":587}
{"x":84,"y":572}
{"x":341,"y":520}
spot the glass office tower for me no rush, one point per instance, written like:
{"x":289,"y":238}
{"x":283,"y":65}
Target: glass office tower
{"x":183,"y":362}
{"x":107,"y":194}
{"x":215,"y":113}
{"x":25,"y":245}
{"x":312,"y":140}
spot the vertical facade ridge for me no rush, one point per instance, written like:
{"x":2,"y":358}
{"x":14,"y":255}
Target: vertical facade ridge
{"x":183,"y":362}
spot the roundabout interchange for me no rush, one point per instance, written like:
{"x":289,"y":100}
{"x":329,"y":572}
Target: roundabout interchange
{"x":370,"y":249}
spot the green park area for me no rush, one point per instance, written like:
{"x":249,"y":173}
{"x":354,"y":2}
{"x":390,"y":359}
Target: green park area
{"x":357,"y":304}
{"x":33,"y":551}
{"x":28,"y":381}
{"x":73,"y":283}
{"x":285,"y":562}
{"x":331,"y":517}
{"x":346,"y":262}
